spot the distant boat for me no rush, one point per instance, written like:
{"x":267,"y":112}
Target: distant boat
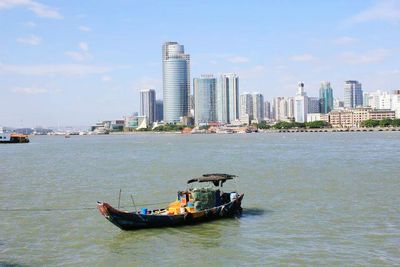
{"x":193,"y":205}
{"x":67,"y":136}
{"x":13,"y":138}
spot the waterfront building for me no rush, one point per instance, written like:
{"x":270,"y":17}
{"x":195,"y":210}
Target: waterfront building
{"x":176,"y":82}
{"x":246,"y":105}
{"x":283,"y":108}
{"x":317,"y":117}
{"x":383,"y":100}
{"x":290,"y":105}
{"x":267,"y":111}
{"x":325,"y":97}
{"x":258,"y":107}
{"x":353,"y":94}
{"x":159,"y":110}
{"x":313,"y":105}
{"x":354,"y":117}
{"x":301,"y":105}
{"x":228,"y":98}
{"x":204,"y":90}
{"x":148,"y":104}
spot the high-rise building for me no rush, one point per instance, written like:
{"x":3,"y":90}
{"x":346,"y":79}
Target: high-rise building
{"x":159,"y":110}
{"x":313,"y":105}
{"x":204,"y":99}
{"x":267,"y":110}
{"x":353,"y":94}
{"x":246,"y":105}
{"x":176,"y":82}
{"x":290,"y":107}
{"x":148,"y":104}
{"x":228,"y":98}
{"x":338,"y":104}
{"x":301,"y":105}
{"x":258,"y":107}
{"x":325,"y":97}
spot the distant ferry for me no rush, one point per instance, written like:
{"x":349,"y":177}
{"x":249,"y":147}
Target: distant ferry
{"x":13,"y":138}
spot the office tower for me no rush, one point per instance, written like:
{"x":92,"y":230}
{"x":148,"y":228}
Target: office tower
{"x":325,"y":97}
{"x":228,"y":98}
{"x":148,"y":104}
{"x":353,"y":94}
{"x":258,"y":107}
{"x":159,"y":110}
{"x":176,"y":82}
{"x":204,"y":99}
{"x":267,"y":110}
{"x":301,"y":105}
{"x":313,"y":105}
{"x":282,"y":108}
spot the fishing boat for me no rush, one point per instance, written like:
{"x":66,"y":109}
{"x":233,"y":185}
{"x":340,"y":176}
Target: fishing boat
{"x":193,"y":205}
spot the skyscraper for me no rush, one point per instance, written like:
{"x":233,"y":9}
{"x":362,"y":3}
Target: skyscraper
{"x":228,"y":98}
{"x":258,"y":107}
{"x":176,"y":82}
{"x":159,"y":110}
{"x":246,"y":105}
{"x":204,"y":99}
{"x":313,"y":105}
{"x":325,"y":97}
{"x":148,"y":104}
{"x":267,"y":110}
{"x":301,"y":104}
{"x":353,"y":94}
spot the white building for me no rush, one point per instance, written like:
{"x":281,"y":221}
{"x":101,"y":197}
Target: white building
{"x":148,"y":104}
{"x":301,"y":104}
{"x":383,"y":100}
{"x":227,"y":102}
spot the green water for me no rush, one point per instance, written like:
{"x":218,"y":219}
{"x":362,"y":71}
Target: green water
{"x":311,"y":199}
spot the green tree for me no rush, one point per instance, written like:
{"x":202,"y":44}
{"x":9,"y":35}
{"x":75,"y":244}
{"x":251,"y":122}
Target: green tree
{"x":370,"y":123}
{"x":317,"y":124}
{"x":396,"y":122}
{"x":385,"y":122}
{"x":263,"y":125}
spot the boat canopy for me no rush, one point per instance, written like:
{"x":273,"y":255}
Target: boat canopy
{"x":216,"y":178}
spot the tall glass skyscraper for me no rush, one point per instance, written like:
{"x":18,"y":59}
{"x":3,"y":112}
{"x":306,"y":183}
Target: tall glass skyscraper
{"x":325,"y":97}
{"x":204,"y":99}
{"x":148,"y":104}
{"x":228,"y":98}
{"x":176,"y":82}
{"x":353,"y":94}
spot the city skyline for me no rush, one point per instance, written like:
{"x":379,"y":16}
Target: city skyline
{"x":64,"y":63}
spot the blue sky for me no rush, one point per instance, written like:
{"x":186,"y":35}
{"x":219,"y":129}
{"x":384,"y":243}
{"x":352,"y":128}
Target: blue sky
{"x":77,"y":62}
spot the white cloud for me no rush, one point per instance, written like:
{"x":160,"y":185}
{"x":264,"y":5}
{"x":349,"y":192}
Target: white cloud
{"x":80,"y":55}
{"x":39,"y":9}
{"x":238,"y":59}
{"x":344,"y":40}
{"x":371,"y":56}
{"x":31,"y":40}
{"x":302,"y":58}
{"x":84,"y":46}
{"x":30,"y":90}
{"x":30,"y":24}
{"x":106,"y":78}
{"x":386,"y":10}
{"x":83,"y":28}
{"x":45,"y":70}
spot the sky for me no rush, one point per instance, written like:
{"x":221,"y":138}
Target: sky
{"x":73,"y":63}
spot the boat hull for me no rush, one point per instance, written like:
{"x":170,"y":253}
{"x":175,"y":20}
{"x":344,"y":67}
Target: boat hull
{"x":134,"y":221}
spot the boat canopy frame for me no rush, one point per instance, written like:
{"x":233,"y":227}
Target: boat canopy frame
{"x":218,"y":179}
